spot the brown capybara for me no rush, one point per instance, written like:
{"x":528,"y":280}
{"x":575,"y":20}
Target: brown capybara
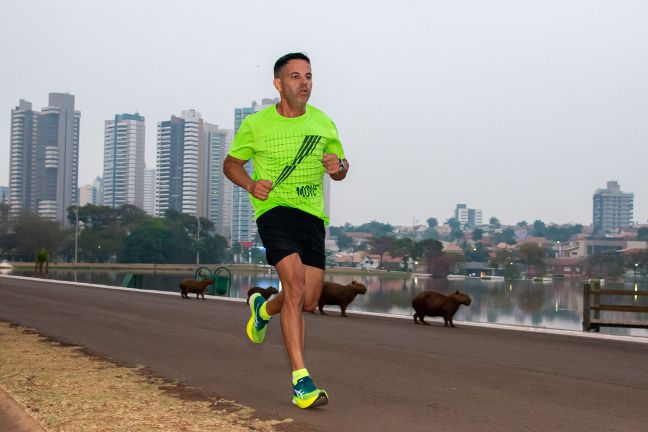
{"x":341,"y":295}
{"x":194,"y":286}
{"x":265,"y":292}
{"x":430,"y":303}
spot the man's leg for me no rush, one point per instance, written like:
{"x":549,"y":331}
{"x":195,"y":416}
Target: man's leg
{"x":292,"y":274}
{"x":301,"y":286}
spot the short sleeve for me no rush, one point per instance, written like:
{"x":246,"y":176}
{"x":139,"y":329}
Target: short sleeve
{"x":243,"y":144}
{"x":334,"y":146}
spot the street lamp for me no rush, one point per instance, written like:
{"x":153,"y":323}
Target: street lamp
{"x":197,"y":240}
{"x":76,"y":236}
{"x":635,"y":272}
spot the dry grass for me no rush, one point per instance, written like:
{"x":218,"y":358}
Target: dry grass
{"x":67,"y":390}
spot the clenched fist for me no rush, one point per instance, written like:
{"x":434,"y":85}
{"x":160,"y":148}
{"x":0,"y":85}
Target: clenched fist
{"x":260,"y":189}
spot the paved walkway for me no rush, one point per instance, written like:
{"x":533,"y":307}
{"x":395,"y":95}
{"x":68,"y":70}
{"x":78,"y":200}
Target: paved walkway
{"x":383,"y":374}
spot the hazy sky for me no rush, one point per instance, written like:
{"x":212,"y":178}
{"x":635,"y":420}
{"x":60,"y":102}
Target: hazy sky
{"x":520,"y":108}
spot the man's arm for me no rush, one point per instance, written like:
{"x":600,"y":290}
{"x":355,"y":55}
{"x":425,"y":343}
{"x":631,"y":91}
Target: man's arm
{"x":333,"y":167}
{"x":235,"y":171}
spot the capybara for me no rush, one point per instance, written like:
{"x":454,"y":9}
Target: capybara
{"x":265,"y":292}
{"x":194,"y":286}
{"x":430,"y":303}
{"x":341,"y":295}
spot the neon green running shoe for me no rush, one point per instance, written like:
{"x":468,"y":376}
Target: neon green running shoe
{"x":306,"y":395}
{"x":256,"y":326}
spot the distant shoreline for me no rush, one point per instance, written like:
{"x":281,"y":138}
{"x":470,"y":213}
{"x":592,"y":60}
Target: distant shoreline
{"x":192,"y":267}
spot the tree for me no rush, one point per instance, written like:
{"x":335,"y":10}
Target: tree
{"x":376,"y":228}
{"x":539,"y":229}
{"x":506,"y":236}
{"x":477,"y":234}
{"x":454,"y":224}
{"x":642,"y":234}
{"x":150,"y":242}
{"x":403,"y":247}
{"x":42,"y":257}
{"x":381,"y":245}
{"x":344,"y":242}
{"x":533,"y":255}
{"x":494,"y":222}
{"x":432,"y":223}
{"x":427,"y":249}
{"x":502,"y":258}
{"x":477,"y":253}
{"x":32,"y":232}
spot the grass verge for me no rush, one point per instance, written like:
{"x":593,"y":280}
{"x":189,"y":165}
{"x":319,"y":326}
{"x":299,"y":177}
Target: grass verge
{"x":65,"y":389}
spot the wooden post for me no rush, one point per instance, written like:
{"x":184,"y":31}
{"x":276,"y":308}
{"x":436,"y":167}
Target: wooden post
{"x":586,"y":307}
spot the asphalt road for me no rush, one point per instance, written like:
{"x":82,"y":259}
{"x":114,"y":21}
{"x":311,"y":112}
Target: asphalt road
{"x":382,"y":374}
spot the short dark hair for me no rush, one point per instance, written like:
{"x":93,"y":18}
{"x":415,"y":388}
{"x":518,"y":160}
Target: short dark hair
{"x":283,"y":61}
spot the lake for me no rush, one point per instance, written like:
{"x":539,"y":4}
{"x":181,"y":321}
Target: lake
{"x":557,"y":304}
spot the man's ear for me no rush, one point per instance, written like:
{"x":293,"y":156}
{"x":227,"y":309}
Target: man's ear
{"x":277,"y":84}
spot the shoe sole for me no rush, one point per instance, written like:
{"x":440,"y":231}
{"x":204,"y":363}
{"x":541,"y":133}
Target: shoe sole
{"x":250,"y":324}
{"x":320,"y":400}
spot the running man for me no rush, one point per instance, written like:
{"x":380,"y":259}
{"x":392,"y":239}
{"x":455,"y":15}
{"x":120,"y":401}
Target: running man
{"x":292,"y":145}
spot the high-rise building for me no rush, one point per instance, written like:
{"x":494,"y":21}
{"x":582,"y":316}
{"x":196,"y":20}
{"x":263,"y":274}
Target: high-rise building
{"x":612,"y":209}
{"x":44,"y":157}
{"x":243,"y":225}
{"x":149,"y":191}
{"x":124,"y":146}
{"x":468,"y":216}
{"x":91,"y":193}
{"x":4,"y":194}
{"x":179,"y":165}
{"x":23,"y":137}
{"x":218,"y":193}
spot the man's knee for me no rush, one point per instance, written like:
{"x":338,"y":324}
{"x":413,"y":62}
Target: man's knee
{"x":310,"y":306}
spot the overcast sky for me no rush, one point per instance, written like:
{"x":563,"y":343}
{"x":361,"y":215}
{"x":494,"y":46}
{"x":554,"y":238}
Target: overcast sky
{"x":520,"y":108}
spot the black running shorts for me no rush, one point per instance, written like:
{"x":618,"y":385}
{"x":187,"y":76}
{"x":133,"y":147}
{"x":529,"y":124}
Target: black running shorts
{"x":286,"y":230}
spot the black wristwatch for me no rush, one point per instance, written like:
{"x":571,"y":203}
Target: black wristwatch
{"x":341,"y":166}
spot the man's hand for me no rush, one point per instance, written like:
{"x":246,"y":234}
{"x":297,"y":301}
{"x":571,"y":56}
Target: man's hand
{"x":260,"y":189}
{"x":331,"y":163}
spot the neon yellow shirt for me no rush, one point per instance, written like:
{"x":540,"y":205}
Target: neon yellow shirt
{"x":288,"y":151}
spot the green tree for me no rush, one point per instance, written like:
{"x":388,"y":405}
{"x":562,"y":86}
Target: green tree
{"x":506,"y":236}
{"x":642,"y":234}
{"x":149,"y":242}
{"x":539,"y":229}
{"x":502,"y":258}
{"x":454,"y":224}
{"x":213,"y":249}
{"x":476,"y":253}
{"x":381,"y":245}
{"x":432,"y":223}
{"x":494,"y":222}
{"x":428,"y":248}
{"x":376,"y":228}
{"x":477,"y":234}
{"x":32,"y":232}
{"x":532,"y":255}
{"x":344,"y":242}
{"x":404,"y":247}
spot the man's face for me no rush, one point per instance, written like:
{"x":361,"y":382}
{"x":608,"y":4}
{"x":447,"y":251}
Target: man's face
{"x":295,"y":82}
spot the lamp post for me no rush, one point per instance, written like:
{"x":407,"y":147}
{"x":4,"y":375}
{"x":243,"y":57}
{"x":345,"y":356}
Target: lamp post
{"x":76,"y":236}
{"x":635,"y":272}
{"x":197,"y":240}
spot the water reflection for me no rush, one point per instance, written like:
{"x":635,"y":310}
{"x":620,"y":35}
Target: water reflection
{"x":557,"y":304}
